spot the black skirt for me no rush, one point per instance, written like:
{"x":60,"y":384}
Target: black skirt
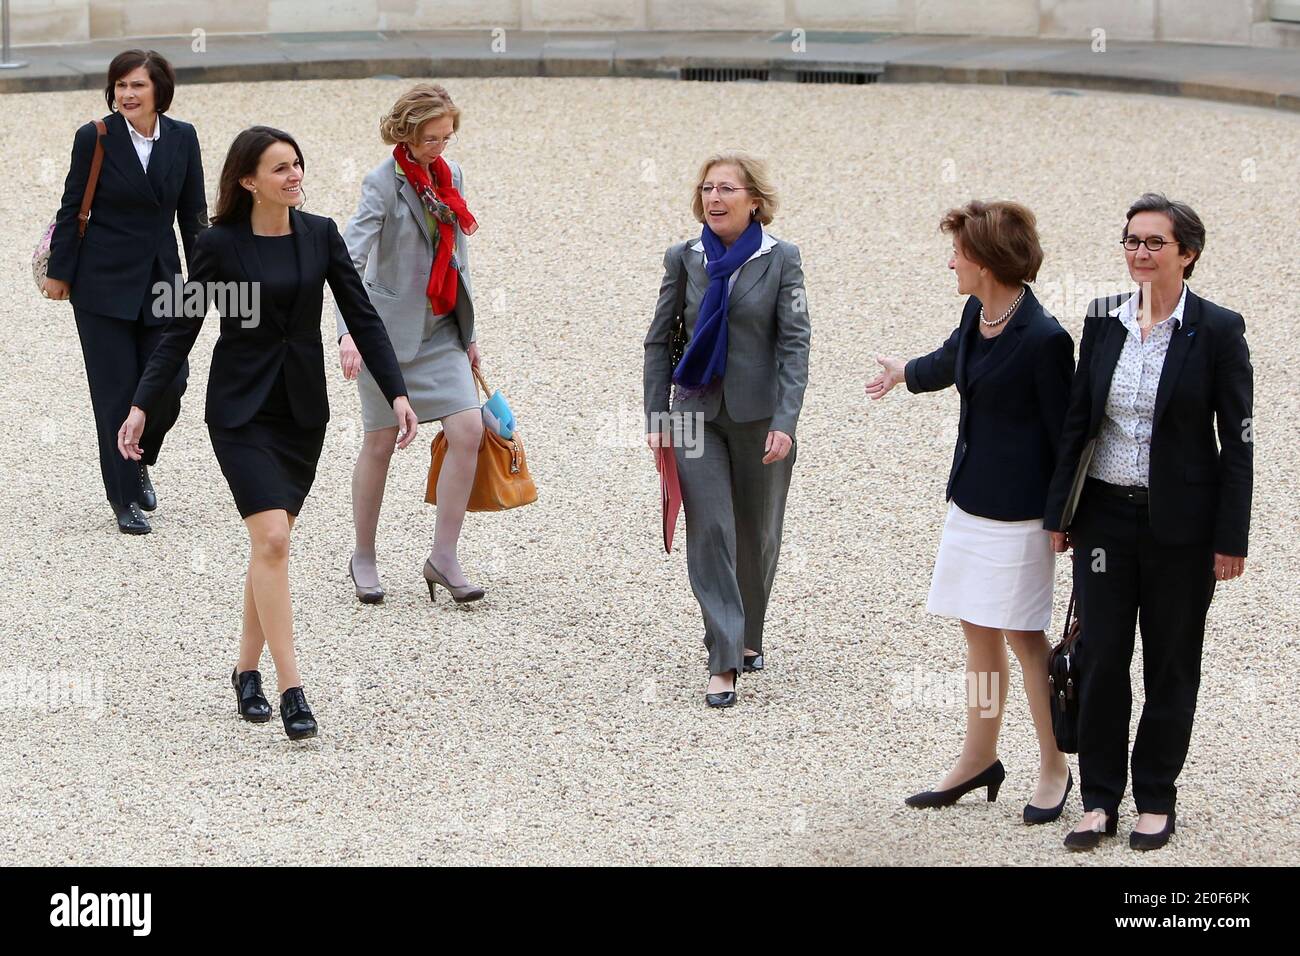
{"x":270,"y":461}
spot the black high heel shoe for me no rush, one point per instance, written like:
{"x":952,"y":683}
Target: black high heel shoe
{"x":753,"y":663}
{"x":253,"y":705}
{"x":991,"y":777}
{"x":1152,"y":841}
{"x":1035,"y":814}
{"x":299,"y":723}
{"x":725,"y":699}
{"x":1091,"y":839}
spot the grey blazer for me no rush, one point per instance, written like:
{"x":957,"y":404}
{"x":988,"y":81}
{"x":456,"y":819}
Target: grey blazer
{"x":768,"y":335}
{"x":390,"y":214}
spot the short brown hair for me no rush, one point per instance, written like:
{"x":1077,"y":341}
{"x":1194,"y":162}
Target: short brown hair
{"x":758,"y":182}
{"x":1000,"y":236}
{"x":414,"y":108}
{"x":1189,"y":231}
{"x":155,"y":64}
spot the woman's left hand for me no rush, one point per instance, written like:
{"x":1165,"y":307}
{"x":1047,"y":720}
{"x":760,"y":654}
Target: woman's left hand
{"x":407,"y":421}
{"x":473,"y":355}
{"x":1226,"y":567}
{"x":777,"y":447}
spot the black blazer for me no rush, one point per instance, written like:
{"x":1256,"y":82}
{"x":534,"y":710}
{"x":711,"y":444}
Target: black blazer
{"x":111,"y":270}
{"x":250,"y":352}
{"x":1011,"y":409}
{"x":1199,"y":489}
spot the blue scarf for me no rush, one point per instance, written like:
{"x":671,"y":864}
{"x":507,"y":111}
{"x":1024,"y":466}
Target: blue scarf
{"x":705,"y":360}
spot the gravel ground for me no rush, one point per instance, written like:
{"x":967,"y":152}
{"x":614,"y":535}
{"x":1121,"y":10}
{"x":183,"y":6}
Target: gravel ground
{"x":561,"y":721}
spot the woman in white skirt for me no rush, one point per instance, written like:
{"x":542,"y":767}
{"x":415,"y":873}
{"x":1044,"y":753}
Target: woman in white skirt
{"x":408,"y":241}
{"x":1012,"y":364}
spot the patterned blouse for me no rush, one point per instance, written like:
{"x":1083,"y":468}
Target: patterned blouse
{"x":1123,"y":453}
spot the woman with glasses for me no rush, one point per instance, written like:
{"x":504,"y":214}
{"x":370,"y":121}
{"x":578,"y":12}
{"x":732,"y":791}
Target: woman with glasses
{"x":408,"y":240}
{"x":737,"y":294}
{"x":1011,"y":363}
{"x":1156,"y":511}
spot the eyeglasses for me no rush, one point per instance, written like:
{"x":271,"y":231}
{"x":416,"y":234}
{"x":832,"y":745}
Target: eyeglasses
{"x":725,"y":190}
{"x":1153,"y":243}
{"x":439,"y":141}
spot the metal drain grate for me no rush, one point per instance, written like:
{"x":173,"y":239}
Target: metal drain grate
{"x":723,"y":74}
{"x":836,"y":76}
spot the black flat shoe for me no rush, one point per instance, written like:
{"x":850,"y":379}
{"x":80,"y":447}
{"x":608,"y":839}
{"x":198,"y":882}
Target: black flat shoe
{"x":725,"y":699}
{"x":148,"y":499}
{"x":131,"y":520}
{"x":1034,"y":815}
{"x":754,"y":663}
{"x":1152,"y":841}
{"x":1091,"y":839}
{"x":299,"y":723}
{"x":992,"y":778}
{"x":253,"y":705}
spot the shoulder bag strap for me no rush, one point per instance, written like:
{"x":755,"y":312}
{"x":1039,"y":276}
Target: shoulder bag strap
{"x":97,"y":161}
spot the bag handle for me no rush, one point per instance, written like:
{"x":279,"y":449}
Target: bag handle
{"x":481,"y":381}
{"x":83,"y":217}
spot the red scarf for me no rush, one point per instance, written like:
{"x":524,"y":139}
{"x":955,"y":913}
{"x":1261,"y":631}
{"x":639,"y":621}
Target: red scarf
{"x":440,"y":197}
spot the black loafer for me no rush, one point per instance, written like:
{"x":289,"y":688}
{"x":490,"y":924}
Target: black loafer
{"x":148,"y":499}
{"x":1034,"y":815}
{"x":754,"y":663}
{"x":131,"y":520}
{"x":1091,"y":839}
{"x":253,"y":705}
{"x":726,"y":699}
{"x":1152,"y":841}
{"x":299,"y":723}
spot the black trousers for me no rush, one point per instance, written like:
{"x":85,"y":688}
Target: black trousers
{"x":115,"y":352}
{"x":1124,"y":577}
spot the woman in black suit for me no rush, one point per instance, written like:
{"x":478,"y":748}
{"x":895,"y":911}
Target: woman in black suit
{"x":1155,"y":510}
{"x":151,"y":179}
{"x":1011,"y":362}
{"x":266,"y":262}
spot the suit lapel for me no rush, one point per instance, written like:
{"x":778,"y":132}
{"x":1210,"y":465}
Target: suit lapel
{"x":696,"y":274}
{"x":164,"y":151}
{"x":306,"y":262}
{"x":1002,"y":350}
{"x":417,"y":207}
{"x":1103,"y":367}
{"x":121,"y":153}
{"x":750,"y":274}
{"x":1179,"y":345}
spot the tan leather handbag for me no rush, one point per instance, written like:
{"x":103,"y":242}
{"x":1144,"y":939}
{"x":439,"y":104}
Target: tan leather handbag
{"x":502,"y":480}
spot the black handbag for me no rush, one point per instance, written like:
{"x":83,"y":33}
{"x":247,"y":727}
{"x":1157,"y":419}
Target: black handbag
{"x":1063,"y":683}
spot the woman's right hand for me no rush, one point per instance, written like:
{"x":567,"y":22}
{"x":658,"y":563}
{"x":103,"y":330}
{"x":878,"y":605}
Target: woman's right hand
{"x":349,"y":358}
{"x":657,"y":440}
{"x":55,"y":288}
{"x":1060,"y":541}
{"x":892,"y":375}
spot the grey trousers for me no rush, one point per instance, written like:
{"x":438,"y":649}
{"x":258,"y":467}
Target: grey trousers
{"x":735,"y":507}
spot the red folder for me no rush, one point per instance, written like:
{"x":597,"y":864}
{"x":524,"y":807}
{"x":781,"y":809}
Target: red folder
{"x":670,"y":492}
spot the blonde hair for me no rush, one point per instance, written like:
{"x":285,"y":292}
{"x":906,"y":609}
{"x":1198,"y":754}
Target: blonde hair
{"x":414,"y":108}
{"x":758,"y":181}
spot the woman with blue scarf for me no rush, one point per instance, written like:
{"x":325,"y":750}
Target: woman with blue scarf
{"x":730,"y":403}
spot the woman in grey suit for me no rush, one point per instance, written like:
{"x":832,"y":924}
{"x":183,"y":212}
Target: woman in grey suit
{"x":408,"y":241}
{"x":736,"y":393}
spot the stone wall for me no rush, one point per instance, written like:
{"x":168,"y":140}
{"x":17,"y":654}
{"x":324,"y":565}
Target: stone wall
{"x":1199,"y":21}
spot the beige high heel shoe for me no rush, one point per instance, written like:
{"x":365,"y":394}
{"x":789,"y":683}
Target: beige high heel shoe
{"x":461,"y":595}
{"x":366,"y":595}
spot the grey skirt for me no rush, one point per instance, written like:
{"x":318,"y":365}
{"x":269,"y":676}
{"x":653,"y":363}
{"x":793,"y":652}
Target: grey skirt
{"x":438,"y":380}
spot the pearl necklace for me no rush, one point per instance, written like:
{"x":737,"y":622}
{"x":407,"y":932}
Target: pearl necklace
{"x":1006,"y":315}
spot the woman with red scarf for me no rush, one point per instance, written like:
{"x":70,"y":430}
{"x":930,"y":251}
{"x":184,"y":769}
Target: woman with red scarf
{"x":407,"y":240}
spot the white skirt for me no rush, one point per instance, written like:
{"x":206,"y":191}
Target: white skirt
{"x":994,"y":573}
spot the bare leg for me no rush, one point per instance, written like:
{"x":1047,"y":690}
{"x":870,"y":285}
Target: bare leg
{"x":464,"y":432}
{"x":252,"y":638}
{"x":369,"y":478}
{"x":268,"y":573}
{"x":986,"y":660}
{"x":1031,"y":649}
